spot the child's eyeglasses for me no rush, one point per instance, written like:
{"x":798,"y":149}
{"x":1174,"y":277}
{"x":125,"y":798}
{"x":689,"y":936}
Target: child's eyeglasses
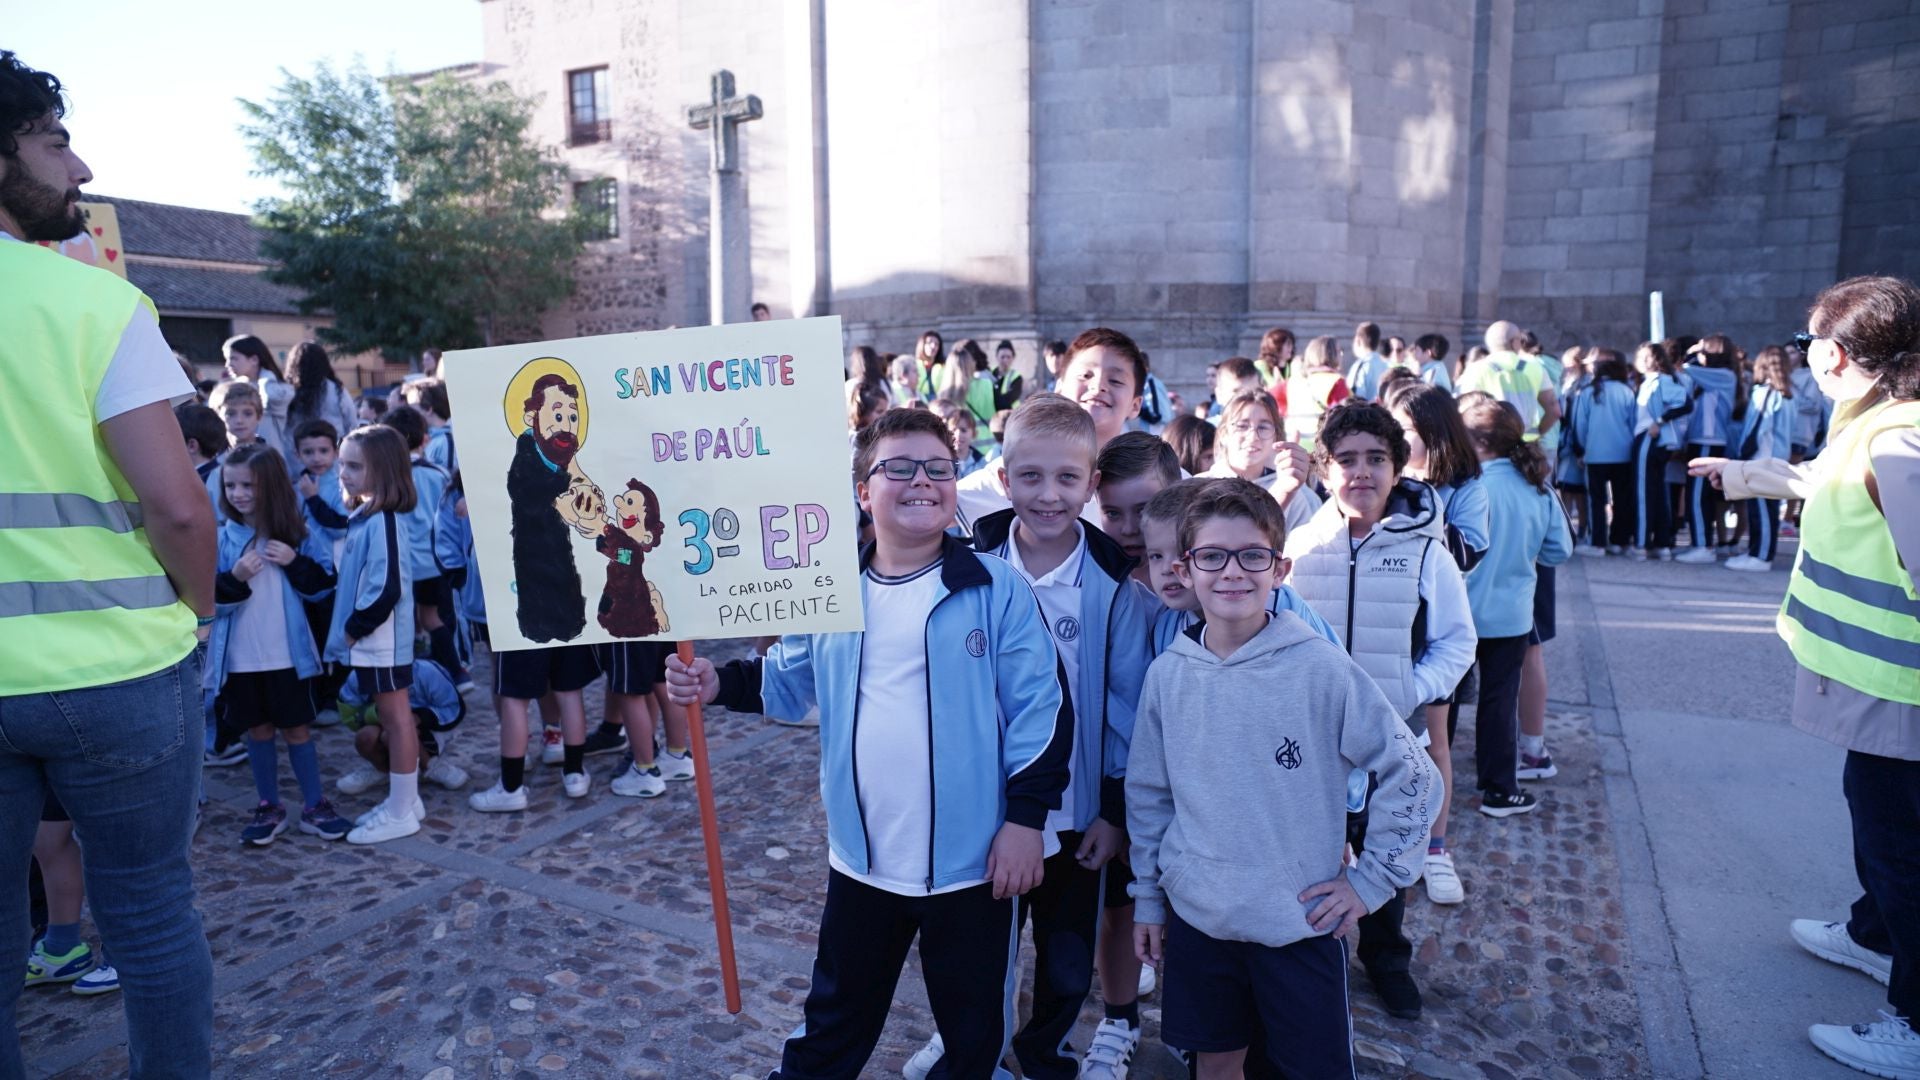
{"x":1805,"y":340}
{"x":1253,"y":560}
{"x":902,"y":469}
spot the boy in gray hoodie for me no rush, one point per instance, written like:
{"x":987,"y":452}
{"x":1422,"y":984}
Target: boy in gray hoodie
{"x":1232,"y":809}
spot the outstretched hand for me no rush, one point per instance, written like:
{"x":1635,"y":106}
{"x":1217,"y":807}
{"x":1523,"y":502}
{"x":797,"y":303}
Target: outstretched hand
{"x":1293,"y":464}
{"x":1709,"y":468}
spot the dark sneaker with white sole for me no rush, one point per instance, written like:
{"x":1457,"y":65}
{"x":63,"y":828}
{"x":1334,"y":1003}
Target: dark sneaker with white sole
{"x":1536,"y":768}
{"x":321,"y":821}
{"x":1498,"y":804}
{"x":604,"y":741}
{"x":269,"y":821}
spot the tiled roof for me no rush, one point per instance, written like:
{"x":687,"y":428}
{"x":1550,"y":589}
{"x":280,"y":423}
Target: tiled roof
{"x":185,"y":288}
{"x":182,"y":232}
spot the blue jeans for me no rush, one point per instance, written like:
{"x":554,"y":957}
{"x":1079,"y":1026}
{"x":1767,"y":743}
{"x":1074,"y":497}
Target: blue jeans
{"x":125,"y":761}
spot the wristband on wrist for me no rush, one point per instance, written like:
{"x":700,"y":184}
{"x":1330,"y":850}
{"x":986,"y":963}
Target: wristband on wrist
{"x":203,"y":620}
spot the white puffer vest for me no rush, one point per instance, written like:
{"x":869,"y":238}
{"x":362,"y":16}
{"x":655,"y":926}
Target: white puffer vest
{"x":1383,"y":574}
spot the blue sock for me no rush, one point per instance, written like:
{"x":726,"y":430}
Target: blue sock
{"x":1436,"y":843}
{"x":61,"y":938}
{"x":266,"y":770}
{"x":305,"y":760}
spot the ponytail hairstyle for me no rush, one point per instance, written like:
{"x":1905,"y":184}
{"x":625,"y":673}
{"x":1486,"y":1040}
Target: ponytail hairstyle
{"x":248,"y":345}
{"x":1496,"y":429}
{"x":1719,"y":351}
{"x":1773,"y":368}
{"x":276,"y":509}
{"x":1877,"y":321}
{"x":1657,"y":352}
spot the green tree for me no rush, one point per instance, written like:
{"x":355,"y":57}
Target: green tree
{"x":418,"y":212}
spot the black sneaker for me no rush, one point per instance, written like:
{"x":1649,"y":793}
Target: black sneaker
{"x":269,"y":821}
{"x":1496,"y":804}
{"x":1397,"y":992}
{"x":603,"y":740}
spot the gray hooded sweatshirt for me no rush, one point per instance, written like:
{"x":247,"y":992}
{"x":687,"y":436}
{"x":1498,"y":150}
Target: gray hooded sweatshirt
{"x":1237,"y":784}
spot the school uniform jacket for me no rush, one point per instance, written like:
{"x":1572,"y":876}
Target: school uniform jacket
{"x":326,"y":508}
{"x":1770,"y":422}
{"x":308,"y":577}
{"x":1713,"y":391}
{"x":374,"y":604}
{"x":1113,"y":664}
{"x":1002,"y":726}
{"x":1604,"y":414}
{"x":1665,"y":400}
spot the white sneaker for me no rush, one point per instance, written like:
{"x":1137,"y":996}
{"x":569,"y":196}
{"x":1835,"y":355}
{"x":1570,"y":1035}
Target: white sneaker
{"x":924,"y":1059}
{"x":1111,"y":1051}
{"x":1637,"y":554}
{"x":1830,"y":941}
{"x":359,"y":779}
{"x":1699,"y":555}
{"x":552,"y":751}
{"x":674,"y":766}
{"x":576,"y":784}
{"x":419,"y":810}
{"x":383,"y":825}
{"x":1443,"y":881}
{"x":1749,"y":564}
{"x":636,"y":783}
{"x":1590,"y":550}
{"x":1616,"y":549}
{"x":447,"y":774}
{"x":1887,"y":1047}
{"x":1149,"y":981}
{"x":1664,"y":554}
{"x":498,"y":800}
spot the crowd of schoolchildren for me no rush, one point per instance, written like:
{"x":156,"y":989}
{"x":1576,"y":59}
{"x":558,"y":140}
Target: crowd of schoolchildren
{"x":1175,"y":685}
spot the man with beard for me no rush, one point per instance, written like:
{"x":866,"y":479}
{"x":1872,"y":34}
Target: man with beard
{"x":106,"y":559}
{"x":548,"y":493}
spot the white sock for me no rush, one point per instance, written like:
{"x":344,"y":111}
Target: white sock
{"x":1534,"y":746}
{"x":402,"y":790}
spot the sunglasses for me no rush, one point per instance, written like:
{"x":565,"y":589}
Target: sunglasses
{"x":903,"y":469}
{"x":1805,"y":340}
{"x":1254,"y":560}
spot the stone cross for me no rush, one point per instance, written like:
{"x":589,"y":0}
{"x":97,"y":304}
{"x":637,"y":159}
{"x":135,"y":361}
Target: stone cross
{"x":729,"y":274}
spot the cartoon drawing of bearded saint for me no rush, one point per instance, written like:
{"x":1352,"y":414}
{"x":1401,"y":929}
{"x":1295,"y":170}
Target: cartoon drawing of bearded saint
{"x":550,"y":495}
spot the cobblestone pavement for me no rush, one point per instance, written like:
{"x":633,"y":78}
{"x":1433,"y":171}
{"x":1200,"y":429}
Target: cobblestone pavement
{"x":574,"y":939}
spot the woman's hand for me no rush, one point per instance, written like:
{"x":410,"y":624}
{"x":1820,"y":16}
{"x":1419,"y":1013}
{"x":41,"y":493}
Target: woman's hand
{"x":1708,"y":468}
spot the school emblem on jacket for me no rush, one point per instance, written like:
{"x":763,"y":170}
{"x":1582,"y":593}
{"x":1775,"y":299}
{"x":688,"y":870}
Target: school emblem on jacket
{"x":1288,"y":756}
{"x":977,"y":643}
{"x":1066,"y":629}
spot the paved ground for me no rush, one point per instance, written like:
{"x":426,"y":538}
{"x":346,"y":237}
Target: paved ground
{"x":1633,"y":927}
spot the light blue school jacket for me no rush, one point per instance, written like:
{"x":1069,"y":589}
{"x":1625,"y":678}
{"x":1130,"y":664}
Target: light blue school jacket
{"x":1527,"y":527}
{"x":1603,"y":416}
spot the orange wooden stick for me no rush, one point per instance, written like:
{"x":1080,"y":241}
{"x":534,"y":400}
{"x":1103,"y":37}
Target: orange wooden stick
{"x":710,"y":830}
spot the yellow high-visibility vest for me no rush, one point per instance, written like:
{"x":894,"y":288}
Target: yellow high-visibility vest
{"x":83,"y":598}
{"x":1851,"y":613}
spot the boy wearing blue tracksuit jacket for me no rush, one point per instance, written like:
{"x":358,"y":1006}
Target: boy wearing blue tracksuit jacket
{"x":1100,"y":619}
{"x":945,"y":737}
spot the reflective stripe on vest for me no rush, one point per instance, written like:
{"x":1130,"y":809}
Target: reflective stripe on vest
{"x":32,"y":510}
{"x":1858,"y":625}
{"x":84,"y":600}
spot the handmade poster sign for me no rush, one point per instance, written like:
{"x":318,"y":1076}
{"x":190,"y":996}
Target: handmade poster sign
{"x":680,"y":484}
{"x":98,"y":244}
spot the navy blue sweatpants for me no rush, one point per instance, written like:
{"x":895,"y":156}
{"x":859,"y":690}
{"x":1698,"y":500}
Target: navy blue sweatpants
{"x":967,"y":945}
{"x":1883,"y":795}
